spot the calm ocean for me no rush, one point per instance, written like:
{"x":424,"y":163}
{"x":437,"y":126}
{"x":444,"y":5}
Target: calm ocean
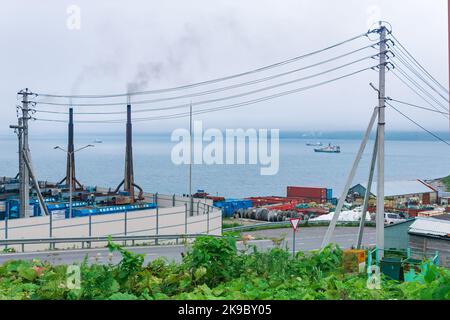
{"x":155,"y":172}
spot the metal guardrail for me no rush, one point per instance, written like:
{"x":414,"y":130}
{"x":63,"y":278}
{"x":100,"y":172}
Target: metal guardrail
{"x":288,"y":224}
{"x":88,"y":240}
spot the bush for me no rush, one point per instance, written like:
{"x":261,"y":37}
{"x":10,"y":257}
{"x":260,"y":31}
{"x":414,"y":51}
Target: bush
{"x":214,"y":269}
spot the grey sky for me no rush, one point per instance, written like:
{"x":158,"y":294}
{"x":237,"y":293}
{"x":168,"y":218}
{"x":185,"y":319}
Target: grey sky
{"x":169,"y":43}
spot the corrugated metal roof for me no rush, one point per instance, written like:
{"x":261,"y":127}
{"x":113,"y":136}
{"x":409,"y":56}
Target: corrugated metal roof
{"x":430,"y":226}
{"x":398,"y":188}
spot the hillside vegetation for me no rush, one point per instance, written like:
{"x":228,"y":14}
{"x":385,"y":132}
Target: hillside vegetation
{"x":214,"y":269}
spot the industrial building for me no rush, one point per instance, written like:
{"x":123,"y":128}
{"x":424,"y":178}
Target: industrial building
{"x":422,"y":237}
{"x":406,"y":196}
{"x":431,"y":235}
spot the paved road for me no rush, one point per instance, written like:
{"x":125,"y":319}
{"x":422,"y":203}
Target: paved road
{"x":307,"y":239}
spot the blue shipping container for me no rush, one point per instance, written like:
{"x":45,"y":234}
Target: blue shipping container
{"x":329,"y":194}
{"x":84,"y":212}
{"x":229,"y":207}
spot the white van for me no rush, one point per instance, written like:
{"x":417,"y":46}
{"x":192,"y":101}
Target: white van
{"x":392,"y":218}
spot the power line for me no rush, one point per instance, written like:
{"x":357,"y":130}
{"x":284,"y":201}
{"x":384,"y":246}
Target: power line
{"x":414,"y":60}
{"x":415,"y":91}
{"x":418,"y":125}
{"x":226,"y":107}
{"x":419,"y":87}
{"x":217,"y":99}
{"x":419,"y":107}
{"x":417,"y":74}
{"x":264,"y":68}
{"x":208,"y":91}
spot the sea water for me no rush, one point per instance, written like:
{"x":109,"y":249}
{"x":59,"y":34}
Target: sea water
{"x":155,"y":172}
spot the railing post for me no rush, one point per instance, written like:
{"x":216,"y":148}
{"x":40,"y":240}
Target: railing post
{"x":185,"y":218}
{"x":157,"y":225}
{"x":51,"y":229}
{"x":125,"y":225}
{"x":198,"y":208}
{"x":6,"y":223}
{"x":207,"y":219}
{"x":90,"y":227}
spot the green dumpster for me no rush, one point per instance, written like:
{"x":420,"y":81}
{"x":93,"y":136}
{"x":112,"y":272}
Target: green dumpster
{"x":392,"y":268}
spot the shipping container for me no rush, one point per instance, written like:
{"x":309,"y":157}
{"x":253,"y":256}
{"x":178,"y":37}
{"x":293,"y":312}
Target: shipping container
{"x":329,"y":194}
{"x":314,"y":194}
{"x":229,"y":207}
{"x":83,"y":212}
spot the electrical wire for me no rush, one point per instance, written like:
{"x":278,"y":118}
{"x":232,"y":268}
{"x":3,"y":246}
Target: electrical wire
{"x":414,"y":91}
{"x":419,"y":125}
{"x":418,"y":107}
{"x":416,"y":73}
{"x":264,"y":68}
{"x":209,"y":91}
{"x":217,"y":99}
{"x":420,"y":88}
{"x":417,"y":85}
{"x":226,"y":107}
{"x":414,"y":60}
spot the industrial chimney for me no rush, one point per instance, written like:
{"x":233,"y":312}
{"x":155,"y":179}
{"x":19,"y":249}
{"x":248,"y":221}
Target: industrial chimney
{"x":70,"y":156}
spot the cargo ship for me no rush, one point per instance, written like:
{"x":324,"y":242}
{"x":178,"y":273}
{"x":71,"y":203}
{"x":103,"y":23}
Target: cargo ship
{"x":329,"y":149}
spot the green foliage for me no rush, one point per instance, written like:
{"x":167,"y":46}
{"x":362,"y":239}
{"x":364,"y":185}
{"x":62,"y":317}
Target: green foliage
{"x":446,"y":182}
{"x":215,"y":269}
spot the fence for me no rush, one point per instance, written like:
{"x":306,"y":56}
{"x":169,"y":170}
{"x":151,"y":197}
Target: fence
{"x":170,"y":220}
{"x":89,"y":240}
{"x":287,"y":224}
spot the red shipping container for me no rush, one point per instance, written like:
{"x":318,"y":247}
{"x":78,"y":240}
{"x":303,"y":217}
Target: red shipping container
{"x":307,"y":192}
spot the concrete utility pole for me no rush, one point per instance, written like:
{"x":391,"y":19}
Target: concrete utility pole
{"x":367,"y":194}
{"x":448,"y":18}
{"x":328,"y":235}
{"x":191,"y":159}
{"x":381,"y":133}
{"x":24,"y":175}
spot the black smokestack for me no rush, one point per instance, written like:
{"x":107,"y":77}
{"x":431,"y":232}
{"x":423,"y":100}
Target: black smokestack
{"x":70,"y":154}
{"x":129,"y":175}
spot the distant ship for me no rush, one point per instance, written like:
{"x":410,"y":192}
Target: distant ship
{"x":317,"y":144}
{"x":329,"y":149}
{"x":98,"y":141}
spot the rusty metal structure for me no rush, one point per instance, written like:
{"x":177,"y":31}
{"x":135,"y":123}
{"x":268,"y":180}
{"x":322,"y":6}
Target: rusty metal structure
{"x":70,"y":167}
{"x":128,"y":181}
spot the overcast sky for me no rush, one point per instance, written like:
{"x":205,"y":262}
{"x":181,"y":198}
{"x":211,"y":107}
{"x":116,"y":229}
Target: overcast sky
{"x":161,"y":44}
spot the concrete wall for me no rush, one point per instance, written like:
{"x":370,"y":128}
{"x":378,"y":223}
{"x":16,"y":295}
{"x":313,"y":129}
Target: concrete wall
{"x":429,"y":246}
{"x":163,"y":221}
